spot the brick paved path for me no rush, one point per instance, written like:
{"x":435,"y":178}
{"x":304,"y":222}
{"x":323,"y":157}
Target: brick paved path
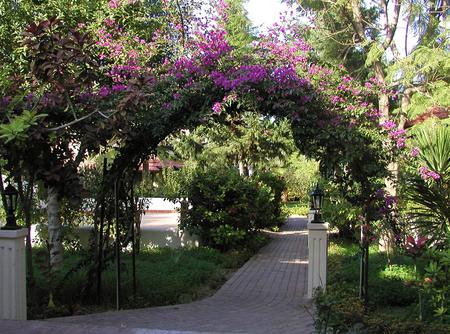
{"x":265,"y":296}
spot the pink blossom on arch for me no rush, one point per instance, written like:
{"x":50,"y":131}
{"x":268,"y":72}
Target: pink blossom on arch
{"x":391,"y":200}
{"x":423,"y":170}
{"x":395,"y":134}
{"x":109,"y":22}
{"x":335,"y":99}
{"x":104,"y":91}
{"x":119,"y":88}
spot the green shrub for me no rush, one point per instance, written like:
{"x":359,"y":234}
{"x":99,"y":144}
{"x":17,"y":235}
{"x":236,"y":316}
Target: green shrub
{"x":225,"y":209}
{"x":388,"y":323}
{"x":340,"y":213}
{"x":337,"y":310}
{"x":277,"y":186}
{"x":392,"y":292}
{"x":437,"y":283}
{"x":398,"y":298}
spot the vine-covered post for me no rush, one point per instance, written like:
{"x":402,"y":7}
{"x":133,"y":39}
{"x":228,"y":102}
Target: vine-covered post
{"x":101,"y":234}
{"x":118,"y":283}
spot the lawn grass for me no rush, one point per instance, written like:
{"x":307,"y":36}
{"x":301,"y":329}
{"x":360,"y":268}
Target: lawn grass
{"x":295,"y":208}
{"x":164,"y":276}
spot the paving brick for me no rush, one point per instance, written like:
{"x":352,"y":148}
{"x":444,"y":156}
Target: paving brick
{"x":267,"y":295}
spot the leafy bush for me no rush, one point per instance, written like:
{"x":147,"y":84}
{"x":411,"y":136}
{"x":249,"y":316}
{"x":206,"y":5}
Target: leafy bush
{"x":300,"y":174}
{"x":340,"y":213}
{"x":388,"y":323}
{"x":429,"y":192}
{"x":393,"y":292}
{"x":337,"y":311}
{"x":277,"y":186}
{"x":437,"y":283}
{"x":396,"y":298}
{"x":225,"y":209}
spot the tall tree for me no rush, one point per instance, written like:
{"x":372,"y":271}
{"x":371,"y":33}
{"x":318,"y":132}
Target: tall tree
{"x":361,"y":36}
{"x":238,"y":25}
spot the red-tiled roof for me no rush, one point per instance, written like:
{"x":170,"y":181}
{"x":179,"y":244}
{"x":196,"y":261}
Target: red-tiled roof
{"x":155,"y":164}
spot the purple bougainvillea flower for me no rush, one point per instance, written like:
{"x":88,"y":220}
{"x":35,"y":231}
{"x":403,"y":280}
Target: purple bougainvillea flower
{"x":119,"y":88}
{"x":388,"y":125}
{"x":104,"y":91}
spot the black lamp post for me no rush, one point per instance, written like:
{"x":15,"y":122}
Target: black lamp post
{"x":11,"y":195}
{"x":316,"y":203}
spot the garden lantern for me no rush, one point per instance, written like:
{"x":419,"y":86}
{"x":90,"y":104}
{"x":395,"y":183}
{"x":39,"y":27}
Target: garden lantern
{"x":11,"y":195}
{"x":316,"y":203}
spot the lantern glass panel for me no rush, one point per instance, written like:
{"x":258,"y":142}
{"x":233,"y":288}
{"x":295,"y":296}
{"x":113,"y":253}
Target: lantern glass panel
{"x":14,"y":201}
{"x":8,"y":202}
{"x":317,"y":202}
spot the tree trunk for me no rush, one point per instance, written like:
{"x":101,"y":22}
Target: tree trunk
{"x":387,"y":240}
{"x":54,"y":228}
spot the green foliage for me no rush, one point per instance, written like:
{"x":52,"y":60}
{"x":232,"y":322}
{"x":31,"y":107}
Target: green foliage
{"x":254,"y":142}
{"x":394,"y":295}
{"x":437,"y":283}
{"x":238,"y":25}
{"x":429,"y":210}
{"x":374,"y":54}
{"x":339,"y":313}
{"x":434,"y":149}
{"x":18,"y":126}
{"x":227,"y":237}
{"x":340,"y":213}
{"x":276,"y":186}
{"x":384,"y":322}
{"x":300,"y":174}
{"x":222,"y":205}
{"x":333,"y":37}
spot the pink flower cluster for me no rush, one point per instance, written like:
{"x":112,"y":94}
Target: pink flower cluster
{"x":213,"y":46}
{"x":425,"y":173}
{"x":399,"y":135}
{"x":114,"y":4}
{"x":217,"y":108}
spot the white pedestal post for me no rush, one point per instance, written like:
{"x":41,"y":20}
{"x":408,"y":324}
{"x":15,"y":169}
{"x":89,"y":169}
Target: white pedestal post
{"x":318,"y":252}
{"x":311,"y":215}
{"x":13,"y":287}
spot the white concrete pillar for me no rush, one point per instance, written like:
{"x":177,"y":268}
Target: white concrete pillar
{"x":311,"y":215}
{"x":13,"y":287}
{"x":318,"y":253}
